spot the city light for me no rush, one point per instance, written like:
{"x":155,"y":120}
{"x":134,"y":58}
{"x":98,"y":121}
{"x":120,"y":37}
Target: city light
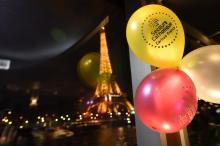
{"x":6,"y":120}
{"x":166,"y":126}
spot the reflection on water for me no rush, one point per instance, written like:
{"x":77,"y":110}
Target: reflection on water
{"x":104,"y":135}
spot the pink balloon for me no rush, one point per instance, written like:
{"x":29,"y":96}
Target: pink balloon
{"x":166,"y":100}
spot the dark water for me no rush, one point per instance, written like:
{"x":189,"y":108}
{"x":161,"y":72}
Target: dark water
{"x":104,"y":135}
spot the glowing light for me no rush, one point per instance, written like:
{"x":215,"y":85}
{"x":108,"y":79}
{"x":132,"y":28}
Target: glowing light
{"x":61,"y":117}
{"x":119,"y":113}
{"x":218,"y":111}
{"x":166,"y":126}
{"x":6,"y":120}
{"x":107,"y":88}
{"x":67,"y":116}
{"x":97,"y":115}
{"x":9,"y":112}
{"x":56,"y":120}
{"x":38,"y":117}
{"x":68,"y":119}
{"x":214,"y":57}
{"x":21,"y":127}
{"x":110,"y":98}
{"x":10,"y":122}
{"x":147,"y":89}
{"x":26,"y":121}
{"x":88,"y":62}
{"x":215,"y":93}
{"x":132,"y":112}
{"x":106,"y":98}
{"x":133,"y":25}
{"x":105,"y":66}
{"x":34,"y":101}
{"x":20,"y":117}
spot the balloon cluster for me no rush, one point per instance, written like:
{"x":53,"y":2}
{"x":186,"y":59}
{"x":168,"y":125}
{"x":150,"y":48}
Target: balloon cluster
{"x":166,"y":99}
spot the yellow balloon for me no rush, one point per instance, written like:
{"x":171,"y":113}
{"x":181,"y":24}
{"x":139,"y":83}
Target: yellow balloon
{"x":203,"y":66}
{"x":156,"y":36}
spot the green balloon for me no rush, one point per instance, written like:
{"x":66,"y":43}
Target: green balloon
{"x":88,"y":69}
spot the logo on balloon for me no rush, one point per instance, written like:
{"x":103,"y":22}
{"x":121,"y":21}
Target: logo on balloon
{"x":155,"y":35}
{"x":158,"y":27}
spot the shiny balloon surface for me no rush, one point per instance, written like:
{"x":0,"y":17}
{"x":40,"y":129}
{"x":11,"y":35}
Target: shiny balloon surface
{"x":88,"y":69}
{"x":166,"y":100}
{"x":203,"y":66}
{"x":155,"y":35}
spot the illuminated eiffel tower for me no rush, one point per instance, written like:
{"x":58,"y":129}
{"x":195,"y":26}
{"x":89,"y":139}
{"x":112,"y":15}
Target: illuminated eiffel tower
{"x":108,"y":98}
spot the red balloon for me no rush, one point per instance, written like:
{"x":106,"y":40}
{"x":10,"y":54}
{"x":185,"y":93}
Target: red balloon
{"x":166,"y":100}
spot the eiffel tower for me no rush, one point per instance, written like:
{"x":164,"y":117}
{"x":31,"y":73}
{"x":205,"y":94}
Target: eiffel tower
{"x":108,"y":98}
